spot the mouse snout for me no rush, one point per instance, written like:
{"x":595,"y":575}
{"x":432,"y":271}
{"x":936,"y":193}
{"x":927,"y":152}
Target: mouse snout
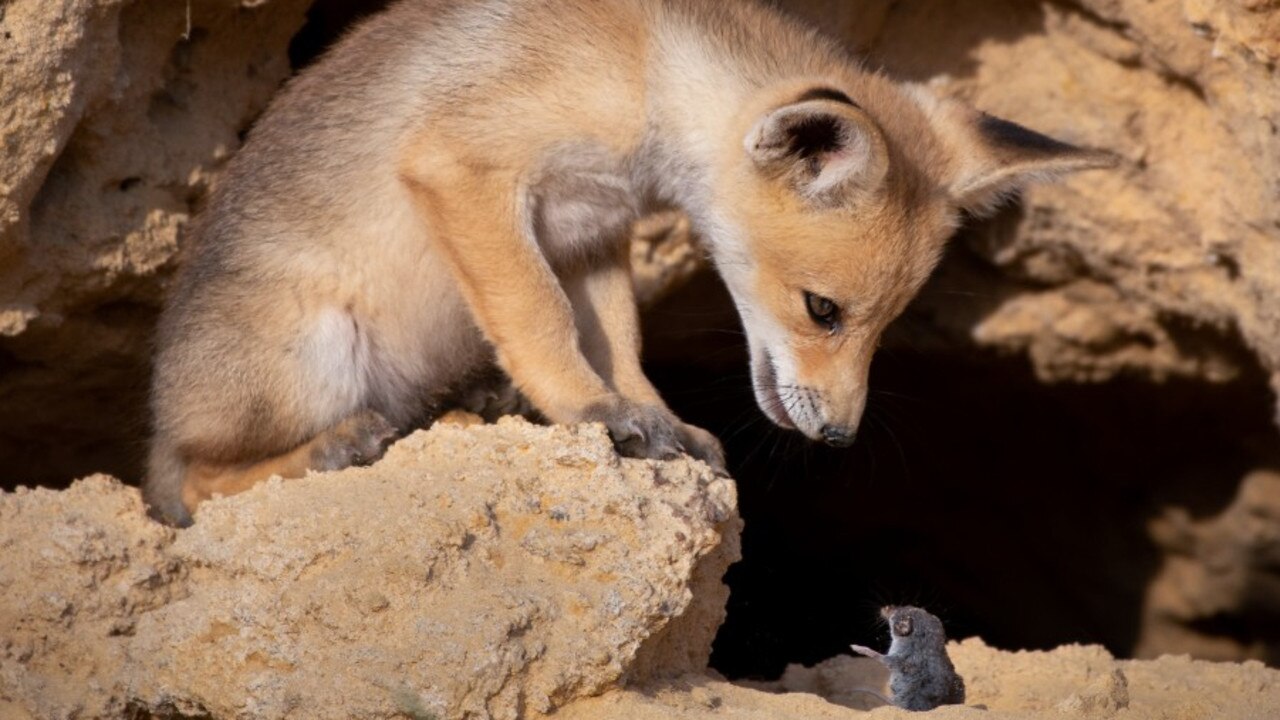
{"x":902,"y":626}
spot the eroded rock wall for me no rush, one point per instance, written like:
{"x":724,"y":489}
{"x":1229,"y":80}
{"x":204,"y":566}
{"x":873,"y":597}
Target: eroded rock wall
{"x":1217,"y":577}
{"x":117,"y":117}
{"x":498,"y":571}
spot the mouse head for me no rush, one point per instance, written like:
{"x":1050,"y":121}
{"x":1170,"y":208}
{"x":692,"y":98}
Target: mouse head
{"x":912,"y":627}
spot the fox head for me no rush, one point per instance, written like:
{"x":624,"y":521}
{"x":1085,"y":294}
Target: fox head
{"x":840,"y":211}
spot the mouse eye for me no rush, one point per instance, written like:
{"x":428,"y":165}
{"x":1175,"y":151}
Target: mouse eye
{"x":822,"y":310}
{"x":902,"y":627}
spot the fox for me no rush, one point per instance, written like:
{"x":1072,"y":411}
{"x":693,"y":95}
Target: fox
{"x":448,"y":193}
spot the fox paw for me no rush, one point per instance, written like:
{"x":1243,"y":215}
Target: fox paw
{"x":703,"y":446}
{"x":359,"y":440}
{"x":639,"y":431}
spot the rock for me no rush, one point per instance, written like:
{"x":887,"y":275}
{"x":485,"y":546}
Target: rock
{"x":664,"y":255}
{"x":1161,"y":268}
{"x":496,"y":571}
{"x":77,"y":570}
{"x":117,"y":118}
{"x":1179,"y":248}
{"x":1215,"y":568}
{"x":1102,"y":696}
{"x":472,"y":573}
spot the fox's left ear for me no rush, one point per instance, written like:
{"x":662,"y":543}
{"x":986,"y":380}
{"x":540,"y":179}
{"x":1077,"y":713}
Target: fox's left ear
{"x":993,"y":158}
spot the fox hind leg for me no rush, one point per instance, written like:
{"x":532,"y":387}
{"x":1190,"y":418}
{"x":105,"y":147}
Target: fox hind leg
{"x":231,"y":412}
{"x":360,"y":439}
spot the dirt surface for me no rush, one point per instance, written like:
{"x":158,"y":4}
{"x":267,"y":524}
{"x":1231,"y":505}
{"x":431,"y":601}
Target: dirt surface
{"x":1074,"y":681}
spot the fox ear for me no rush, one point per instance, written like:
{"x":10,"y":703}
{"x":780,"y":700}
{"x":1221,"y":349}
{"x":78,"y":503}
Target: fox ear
{"x":997,"y":158}
{"x":821,"y":146}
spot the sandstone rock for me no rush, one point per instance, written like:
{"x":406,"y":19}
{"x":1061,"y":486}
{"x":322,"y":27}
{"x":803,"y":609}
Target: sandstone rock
{"x":664,"y":255}
{"x":117,"y":117}
{"x":1216,"y":568}
{"x":1184,"y":237}
{"x":482,"y":572}
{"x":472,"y":573}
{"x":117,"y":114}
{"x":77,"y":570}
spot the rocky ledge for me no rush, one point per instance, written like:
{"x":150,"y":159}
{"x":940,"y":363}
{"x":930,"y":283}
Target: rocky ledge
{"x":499,"y":571}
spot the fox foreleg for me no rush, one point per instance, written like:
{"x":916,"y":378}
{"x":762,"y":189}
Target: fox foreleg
{"x":609,"y":333}
{"x":519,"y":303}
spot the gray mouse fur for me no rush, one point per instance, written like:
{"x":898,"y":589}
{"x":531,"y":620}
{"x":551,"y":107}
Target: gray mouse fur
{"x":921,"y":676}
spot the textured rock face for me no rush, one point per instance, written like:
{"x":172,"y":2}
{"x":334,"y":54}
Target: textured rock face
{"x":485,"y":572}
{"x":1215,"y":569}
{"x":77,"y":569}
{"x":473,"y":573}
{"x":117,"y":116}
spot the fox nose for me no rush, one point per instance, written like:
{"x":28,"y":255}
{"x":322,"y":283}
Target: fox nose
{"x":838,"y":436}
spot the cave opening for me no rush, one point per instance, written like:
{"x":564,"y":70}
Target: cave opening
{"x":1016,"y":510}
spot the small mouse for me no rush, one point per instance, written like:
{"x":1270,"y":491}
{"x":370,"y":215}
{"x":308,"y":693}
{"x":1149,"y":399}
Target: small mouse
{"x":921,"y":676}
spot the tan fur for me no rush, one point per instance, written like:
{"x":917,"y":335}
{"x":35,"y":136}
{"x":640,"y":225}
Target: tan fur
{"x":453,"y":185}
{"x":204,"y":480}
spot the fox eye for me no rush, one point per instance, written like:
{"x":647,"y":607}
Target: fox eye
{"x":823,"y":310}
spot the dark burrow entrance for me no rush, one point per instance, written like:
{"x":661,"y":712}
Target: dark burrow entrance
{"x":1015,"y":510}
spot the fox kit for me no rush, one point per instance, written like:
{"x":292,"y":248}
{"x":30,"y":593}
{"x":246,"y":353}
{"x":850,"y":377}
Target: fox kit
{"x":452,"y":187}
